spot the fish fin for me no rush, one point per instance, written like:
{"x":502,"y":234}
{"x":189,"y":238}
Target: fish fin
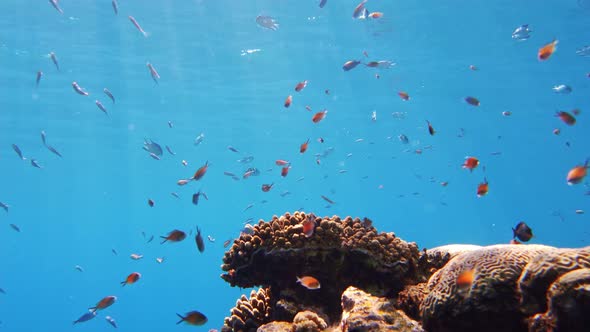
{"x":165,"y":239}
{"x":181,"y":319}
{"x":123,"y":283}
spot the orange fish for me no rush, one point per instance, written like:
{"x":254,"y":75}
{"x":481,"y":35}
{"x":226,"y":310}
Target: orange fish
{"x":470,"y":163}
{"x":319,"y":116}
{"x":404,"y":95}
{"x":482,"y":189}
{"x":472,"y":101}
{"x":567,"y":118}
{"x":465,"y":278}
{"x":546,"y":51}
{"x":300,"y":86}
{"x":309,"y":282}
{"x":267,"y":187}
{"x":192,"y":318}
{"x":577,"y":174}
{"x":106,"y":302}
{"x":174,"y":236}
{"x":303,"y":146}
{"x":308,"y":227}
{"x":285,"y":171}
{"x":201,"y":172}
{"x":131,"y":279}
{"x":288,"y":101}
{"x":281,"y":162}
{"x":431,"y":130}
{"x":376,"y":15}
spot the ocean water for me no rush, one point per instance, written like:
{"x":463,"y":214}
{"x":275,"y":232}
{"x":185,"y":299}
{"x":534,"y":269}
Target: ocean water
{"x":78,"y":208}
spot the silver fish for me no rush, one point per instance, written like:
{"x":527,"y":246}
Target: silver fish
{"x":109,"y":318}
{"x":34,"y":163}
{"x":15,"y":227}
{"x":152,"y":147}
{"x":56,"y":6}
{"x":153,"y":155}
{"x":199,"y":139}
{"x":246,"y":160}
{"x":175,"y":195}
{"x":101,"y":107}
{"x":109,"y":94}
{"x":153,"y":72}
{"x":54,"y":59}
{"x":522,"y":32}
{"x":43,"y":138}
{"x":79,"y":268}
{"x":116,"y":9}
{"x":4,"y":206}
{"x":267,"y":22}
{"x":18,"y":152}
{"x":562,"y":88}
{"x":52,"y":149}
{"x":86,"y":317}
{"x":170,"y":150}
{"x":583,"y":51}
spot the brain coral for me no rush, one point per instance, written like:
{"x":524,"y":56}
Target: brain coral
{"x":491,"y":302}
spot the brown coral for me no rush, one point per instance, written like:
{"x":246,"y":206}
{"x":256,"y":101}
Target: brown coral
{"x":543,"y":271}
{"x":342,"y":252}
{"x":309,"y":321}
{"x":491,"y":302}
{"x":249,"y":314}
{"x":410,"y":298}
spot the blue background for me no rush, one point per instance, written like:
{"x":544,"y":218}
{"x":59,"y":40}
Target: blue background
{"x":76,"y":209}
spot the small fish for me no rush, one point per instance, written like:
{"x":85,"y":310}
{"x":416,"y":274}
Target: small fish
{"x":170,"y":150}
{"x":267,"y":187}
{"x":226,"y":243}
{"x":465,"y":278}
{"x":79,"y":268}
{"x":2,"y":291}
{"x":174,"y":194}
{"x":303,"y":147}
{"x":4,"y":206}
{"x":285,"y":193}
{"x":281,"y":162}
{"x":131,"y":279}
{"x":251,"y":205}
{"x":309,"y":226}
{"x":562,"y":88}
{"x":43,"y":137}
{"x":153,"y":72}
{"x":577,"y":174}
{"x":152,"y":147}
{"x":470,"y":163}
{"x":403,"y":138}
{"x":79,"y":90}
{"x":105,"y":302}
{"x":150,"y":239}
{"x":170,"y":124}
{"x":482,"y":188}
{"x":566,"y":117}
{"x":34,"y":163}
{"x":55,"y":5}
{"x":109,"y":94}
{"x":506,"y":113}
{"x":174,"y":236}
{"x":232,"y":149}
{"x":351,"y":64}
{"x":374,"y":116}
{"x":431,"y":130}
{"x":323,"y":3}
{"x":472,"y":101}
{"x":201,"y":172}
{"x":151,"y":202}
{"x":285,"y":171}
{"x":192,"y":318}
{"x":160,"y":260}
{"x":309,"y":282}
{"x":86,"y":317}
{"x":230,"y":174}
{"x":319,"y":116}
{"x":300,"y":86}
{"x":38,"y":79}
{"x":134,"y":21}
{"x":288,"y":101}
{"x":547,"y":50}
{"x":114,"y":252}
{"x":197,"y":195}
{"x":579,"y":211}
{"x":513,"y":241}
{"x":522,"y":231}
{"x":136,"y":257}
{"x":101,"y":107}
{"x":375,"y":15}
{"x":199,"y":139}
{"x":521,"y":33}
{"x":267,"y":22}
{"x":473,"y":68}
{"x":246,"y":160}
{"x":54,"y":60}
{"x":360,"y":12}
{"x":182,"y":182}
{"x":116,"y":10}
{"x":210,"y":238}
{"x":110,"y":319}
{"x":199,"y":241}
{"x":18,"y":152}
{"x":556,"y":131}
{"x":15,"y":227}
{"x":327,"y":199}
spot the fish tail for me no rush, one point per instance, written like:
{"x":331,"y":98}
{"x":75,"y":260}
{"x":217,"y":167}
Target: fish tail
{"x":181,"y":319}
{"x":123,"y":283}
{"x":93,"y":309}
{"x":165,"y":239}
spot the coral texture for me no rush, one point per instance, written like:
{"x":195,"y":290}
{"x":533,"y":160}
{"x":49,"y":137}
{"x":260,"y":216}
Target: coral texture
{"x":249,"y":314}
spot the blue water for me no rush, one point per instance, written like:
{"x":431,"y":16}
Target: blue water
{"x":77,"y":208}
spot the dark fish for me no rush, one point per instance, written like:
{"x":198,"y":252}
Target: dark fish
{"x":197,"y":195}
{"x":110,"y":319}
{"x":192,"y":318}
{"x":34,"y":163}
{"x":101,"y":107}
{"x":267,"y":22}
{"x":52,"y":149}
{"x":232,"y":149}
{"x":403,"y":138}
{"x":108,"y":93}
{"x":18,"y":152}
{"x":114,"y":252}
{"x":4,"y":206}
{"x":253,"y":171}
{"x":2,"y":291}
{"x":152,"y":147}
{"x":328,"y":200}
{"x":86,"y":317}
{"x":199,"y":241}
{"x":39,"y":75}
{"x":116,"y":9}
{"x":151,"y":203}
{"x":348,"y":65}
{"x":522,"y":231}
{"x":170,"y":150}
{"x":323,"y":3}
{"x":54,"y":59}
{"x":15,"y":227}
{"x":175,"y":195}
{"x":151,"y":239}
{"x":431,"y":130}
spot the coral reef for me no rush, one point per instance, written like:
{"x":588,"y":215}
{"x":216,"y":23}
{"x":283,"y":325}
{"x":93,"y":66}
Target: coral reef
{"x":374,"y":281}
